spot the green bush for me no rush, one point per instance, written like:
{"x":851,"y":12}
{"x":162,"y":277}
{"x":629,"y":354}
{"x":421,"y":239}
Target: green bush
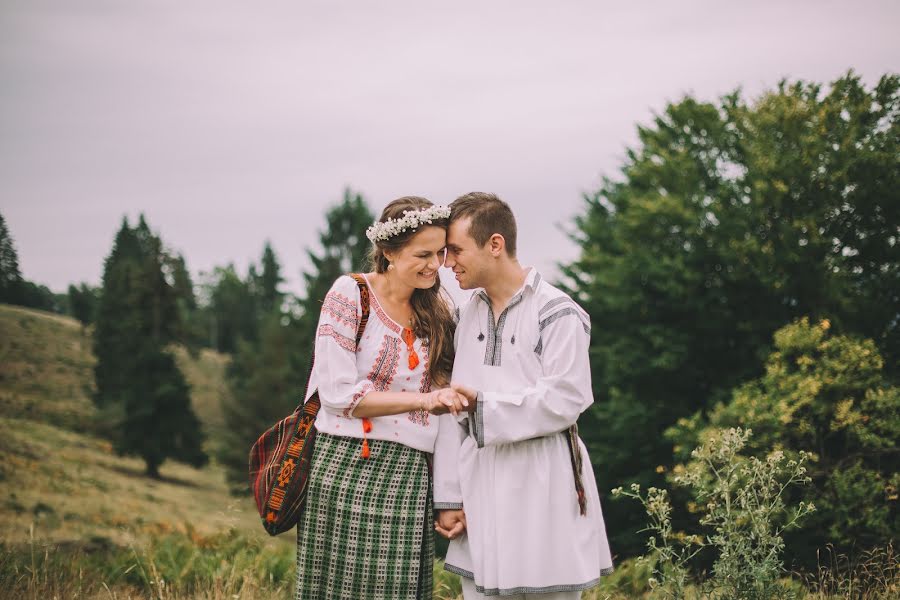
{"x":743,"y":513}
{"x":826,"y":395}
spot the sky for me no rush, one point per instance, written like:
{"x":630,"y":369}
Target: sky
{"x":228,"y":123}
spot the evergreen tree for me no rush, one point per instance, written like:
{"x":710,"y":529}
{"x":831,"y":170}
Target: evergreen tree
{"x":10,"y":277}
{"x":83,"y":300}
{"x":232,"y":309}
{"x":144,"y":400}
{"x":191,"y":331}
{"x":267,"y":379}
{"x":730,"y":220}
{"x":268,"y":281}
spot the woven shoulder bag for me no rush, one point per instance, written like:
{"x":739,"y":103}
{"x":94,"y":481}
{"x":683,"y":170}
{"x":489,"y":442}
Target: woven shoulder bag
{"x":281,"y":458}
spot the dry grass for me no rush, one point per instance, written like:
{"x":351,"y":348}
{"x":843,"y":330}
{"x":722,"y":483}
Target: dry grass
{"x":68,"y":483}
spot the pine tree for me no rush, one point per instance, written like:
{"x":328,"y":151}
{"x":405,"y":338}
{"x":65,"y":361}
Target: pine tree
{"x":267,"y":379}
{"x":10,"y":277}
{"x":143,"y":398}
{"x":83,"y":301}
{"x":268,"y":281}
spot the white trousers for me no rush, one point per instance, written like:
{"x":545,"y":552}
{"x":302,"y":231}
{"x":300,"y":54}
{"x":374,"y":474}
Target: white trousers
{"x":470,"y":593}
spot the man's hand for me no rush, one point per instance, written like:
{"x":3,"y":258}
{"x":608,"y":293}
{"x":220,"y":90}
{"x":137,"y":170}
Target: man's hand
{"x":468,"y":393}
{"x":450,"y":523}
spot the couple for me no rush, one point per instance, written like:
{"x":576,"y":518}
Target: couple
{"x":490,"y":390}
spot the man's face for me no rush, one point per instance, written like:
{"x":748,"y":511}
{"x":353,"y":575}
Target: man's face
{"x":469,"y":262}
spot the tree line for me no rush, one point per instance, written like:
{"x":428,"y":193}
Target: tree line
{"x":741,"y":270}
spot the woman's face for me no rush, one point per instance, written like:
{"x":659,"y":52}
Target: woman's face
{"x":416,"y":264}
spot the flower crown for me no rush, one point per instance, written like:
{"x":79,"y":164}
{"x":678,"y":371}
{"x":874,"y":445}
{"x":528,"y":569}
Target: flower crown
{"x":411,"y":219}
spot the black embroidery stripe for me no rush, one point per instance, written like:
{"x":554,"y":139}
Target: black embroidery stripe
{"x":562,"y":313}
{"x":493,"y":352}
{"x":552,"y":303}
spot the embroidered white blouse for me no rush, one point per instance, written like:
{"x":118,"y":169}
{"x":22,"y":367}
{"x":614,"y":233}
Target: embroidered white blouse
{"x":345,"y":373}
{"x":508,"y":465}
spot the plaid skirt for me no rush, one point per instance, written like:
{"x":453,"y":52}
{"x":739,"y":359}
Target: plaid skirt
{"x":366,"y":531}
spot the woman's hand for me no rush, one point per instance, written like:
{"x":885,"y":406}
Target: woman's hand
{"x":440,"y":402}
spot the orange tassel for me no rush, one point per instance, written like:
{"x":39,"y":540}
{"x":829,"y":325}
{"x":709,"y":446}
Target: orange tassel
{"x":409,"y":337}
{"x":367,"y":427}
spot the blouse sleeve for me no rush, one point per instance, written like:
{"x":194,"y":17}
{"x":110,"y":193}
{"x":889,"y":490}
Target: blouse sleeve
{"x":340,"y":388}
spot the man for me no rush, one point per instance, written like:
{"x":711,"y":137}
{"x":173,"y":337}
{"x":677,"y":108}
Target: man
{"x":513,"y":483}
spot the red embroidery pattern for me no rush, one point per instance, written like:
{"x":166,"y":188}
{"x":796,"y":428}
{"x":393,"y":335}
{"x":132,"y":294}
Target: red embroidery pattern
{"x":385,"y":367}
{"x":341,"y":308}
{"x":420,"y":417}
{"x":344,"y":342}
{"x":366,"y":388}
{"x":388,"y":322}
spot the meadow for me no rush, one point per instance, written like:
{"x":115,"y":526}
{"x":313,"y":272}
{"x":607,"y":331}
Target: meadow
{"x":78,"y":521}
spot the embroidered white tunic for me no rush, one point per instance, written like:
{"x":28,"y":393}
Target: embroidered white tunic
{"x":508,"y":465}
{"x":345,"y":373}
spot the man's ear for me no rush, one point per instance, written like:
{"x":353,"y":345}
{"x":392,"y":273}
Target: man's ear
{"x":497,"y":245}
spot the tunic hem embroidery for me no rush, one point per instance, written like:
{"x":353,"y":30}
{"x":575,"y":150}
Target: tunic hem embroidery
{"x":550,"y":589}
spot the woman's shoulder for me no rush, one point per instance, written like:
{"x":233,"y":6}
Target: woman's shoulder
{"x":344,"y":288}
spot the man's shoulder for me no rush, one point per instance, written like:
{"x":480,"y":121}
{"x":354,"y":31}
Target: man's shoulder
{"x":552,"y":304}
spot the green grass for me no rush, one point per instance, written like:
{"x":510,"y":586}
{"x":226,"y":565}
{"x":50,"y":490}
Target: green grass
{"x":78,"y":521}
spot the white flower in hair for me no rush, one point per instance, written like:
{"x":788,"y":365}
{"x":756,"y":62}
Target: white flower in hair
{"x":411,"y":219}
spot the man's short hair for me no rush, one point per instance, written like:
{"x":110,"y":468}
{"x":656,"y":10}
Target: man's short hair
{"x":489,"y":215}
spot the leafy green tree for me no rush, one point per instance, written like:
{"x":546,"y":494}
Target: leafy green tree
{"x":10,"y":276}
{"x":143,"y":399}
{"x":267,"y":378}
{"x":827,"y":395}
{"x":729,"y":220}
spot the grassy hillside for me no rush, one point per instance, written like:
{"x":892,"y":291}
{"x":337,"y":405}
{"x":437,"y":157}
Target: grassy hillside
{"x":67,"y":484}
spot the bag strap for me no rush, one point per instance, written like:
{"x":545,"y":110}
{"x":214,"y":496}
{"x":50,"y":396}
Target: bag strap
{"x":363,"y":303}
{"x":360,"y":328}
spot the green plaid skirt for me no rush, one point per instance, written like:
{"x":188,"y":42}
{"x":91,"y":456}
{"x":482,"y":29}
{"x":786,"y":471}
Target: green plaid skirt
{"x":366,"y":531}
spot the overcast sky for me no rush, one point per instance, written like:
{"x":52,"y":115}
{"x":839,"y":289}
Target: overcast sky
{"x":228,"y":123}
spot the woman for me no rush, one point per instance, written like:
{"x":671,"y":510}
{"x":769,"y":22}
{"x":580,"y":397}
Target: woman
{"x":366,"y":529}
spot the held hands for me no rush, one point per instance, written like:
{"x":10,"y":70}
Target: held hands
{"x":450,"y":523}
{"x":443,"y":401}
{"x":468,"y":393}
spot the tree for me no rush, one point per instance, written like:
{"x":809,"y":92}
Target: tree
{"x":730,"y":220}
{"x":825,"y":394}
{"x":267,"y":378}
{"x":10,"y":276}
{"x":83,"y":301}
{"x":232,"y":309}
{"x":143,"y":399}
{"x":191,"y":331}
{"x":267,"y":283}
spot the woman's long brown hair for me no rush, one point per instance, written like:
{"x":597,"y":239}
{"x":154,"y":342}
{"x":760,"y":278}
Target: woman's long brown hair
{"x":432,"y":320}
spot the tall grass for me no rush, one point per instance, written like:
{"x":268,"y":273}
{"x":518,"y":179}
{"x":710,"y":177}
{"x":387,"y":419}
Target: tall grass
{"x":173,"y":566}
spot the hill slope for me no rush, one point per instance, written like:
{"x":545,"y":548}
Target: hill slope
{"x":58,"y":477}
